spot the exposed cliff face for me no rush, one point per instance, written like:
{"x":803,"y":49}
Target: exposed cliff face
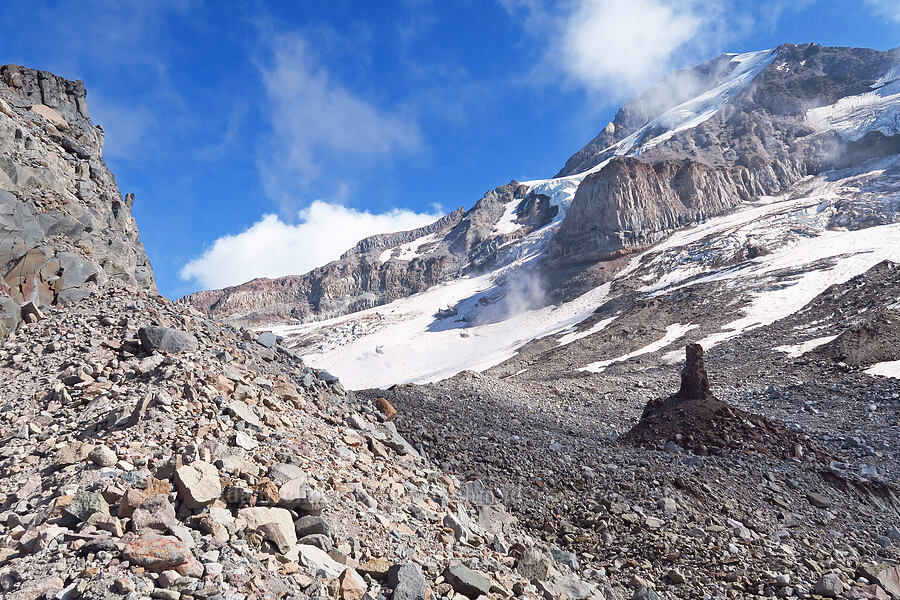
{"x":700,"y":143}
{"x":758,"y":142}
{"x":632,"y":203}
{"x":64,"y":226}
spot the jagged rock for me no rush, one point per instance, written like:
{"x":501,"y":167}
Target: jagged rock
{"x":266,"y":339}
{"x":477,"y":493}
{"x":694,"y":380}
{"x":282,"y":532}
{"x":830,"y":585}
{"x":154,"y":513}
{"x":312,"y":525}
{"x":407,"y":582}
{"x":886,"y":575}
{"x":166,"y":339}
{"x":198,"y":484}
{"x":352,"y":586}
{"x":534,"y":565}
{"x":317,"y":560}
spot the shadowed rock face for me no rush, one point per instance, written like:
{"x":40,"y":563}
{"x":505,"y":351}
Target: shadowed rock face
{"x":65,"y":228}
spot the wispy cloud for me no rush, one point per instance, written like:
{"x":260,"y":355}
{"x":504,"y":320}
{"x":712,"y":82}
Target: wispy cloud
{"x":318,"y":123}
{"x":886,"y":8}
{"x":272,"y":248}
{"x":612,"y":48}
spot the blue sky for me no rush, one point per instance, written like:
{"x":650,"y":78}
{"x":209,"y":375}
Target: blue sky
{"x":263,"y":138}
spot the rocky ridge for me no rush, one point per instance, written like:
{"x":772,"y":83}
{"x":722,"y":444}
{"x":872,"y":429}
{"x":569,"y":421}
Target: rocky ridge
{"x":702,"y":142}
{"x":65,"y":228}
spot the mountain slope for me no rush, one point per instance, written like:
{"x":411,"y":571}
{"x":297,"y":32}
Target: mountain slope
{"x":764,"y":154}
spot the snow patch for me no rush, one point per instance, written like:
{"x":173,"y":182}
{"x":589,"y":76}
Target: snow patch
{"x":886,"y":369}
{"x":854,"y":116}
{"x":798,"y":350}
{"x":673,"y":332}
{"x":577,"y":335}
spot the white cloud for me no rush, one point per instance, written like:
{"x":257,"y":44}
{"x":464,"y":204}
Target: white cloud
{"x":615,"y":47}
{"x":317,"y":121}
{"x":622,"y":42}
{"x":273,"y":248}
{"x":886,"y":8}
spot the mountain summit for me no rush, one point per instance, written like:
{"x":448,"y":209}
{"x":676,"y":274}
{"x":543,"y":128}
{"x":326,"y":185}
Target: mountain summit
{"x":730,"y":148}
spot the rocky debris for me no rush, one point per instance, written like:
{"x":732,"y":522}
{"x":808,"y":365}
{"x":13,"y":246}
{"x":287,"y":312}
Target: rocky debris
{"x":695,"y":420}
{"x":132,"y":469}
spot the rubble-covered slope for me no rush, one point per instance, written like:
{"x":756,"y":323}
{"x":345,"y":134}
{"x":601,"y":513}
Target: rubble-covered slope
{"x":150,"y":452}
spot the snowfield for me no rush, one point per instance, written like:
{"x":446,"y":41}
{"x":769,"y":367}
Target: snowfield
{"x":855,"y":116}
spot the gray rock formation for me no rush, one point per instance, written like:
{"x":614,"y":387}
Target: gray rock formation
{"x":758,"y":143}
{"x":64,"y":226}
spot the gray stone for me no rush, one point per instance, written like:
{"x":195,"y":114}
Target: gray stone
{"x":830,"y":585}
{"x":645,"y":593}
{"x":242,"y":411}
{"x":407,"y":582}
{"x":266,"y":339}
{"x":154,"y":513}
{"x":317,"y":560}
{"x":466,"y":581}
{"x":198,"y":484}
{"x":312,"y":525}
{"x":534,"y":564}
{"x":477,"y":493}
{"x":103,"y":456}
{"x":565,"y":557}
{"x":166,"y":339}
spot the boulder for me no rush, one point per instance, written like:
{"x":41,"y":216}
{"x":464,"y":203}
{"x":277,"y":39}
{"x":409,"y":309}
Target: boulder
{"x":198,"y":484}
{"x":166,"y":339}
{"x":351,"y":585}
{"x":467,"y":581}
{"x":316,"y":559}
{"x":408,"y":582}
{"x":276,"y":524}
{"x":534,"y":565}
{"x":154,"y":513}
{"x":85,"y":504}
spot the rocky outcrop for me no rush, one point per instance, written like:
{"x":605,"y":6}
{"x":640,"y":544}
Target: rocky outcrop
{"x":632,"y":203}
{"x":757,"y":143}
{"x":382,"y":241}
{"x":695,"y":420}
{"x":65,"y":228}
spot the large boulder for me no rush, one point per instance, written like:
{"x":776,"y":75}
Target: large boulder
{"x":166,"y":339}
